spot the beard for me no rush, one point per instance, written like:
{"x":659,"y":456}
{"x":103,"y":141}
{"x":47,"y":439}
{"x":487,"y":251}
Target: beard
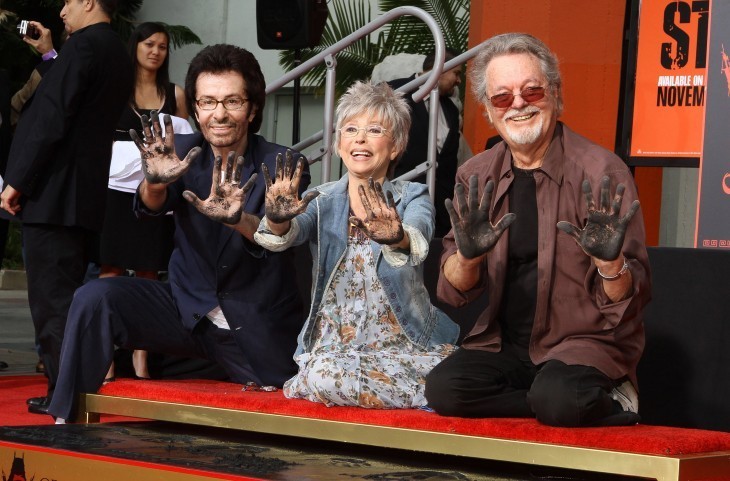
{"x":523,"y":135}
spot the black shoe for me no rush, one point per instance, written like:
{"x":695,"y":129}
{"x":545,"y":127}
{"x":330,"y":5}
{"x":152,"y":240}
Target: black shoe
{"x":3,"y":365}
{"x":36,"y":401}
{"x":41,"y":408}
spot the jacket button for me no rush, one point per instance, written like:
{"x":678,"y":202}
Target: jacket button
{"x":392,"y":295}
{"x":196,"y":316}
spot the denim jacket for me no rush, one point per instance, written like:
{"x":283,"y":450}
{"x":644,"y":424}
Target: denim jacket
{"x":400,"y":272}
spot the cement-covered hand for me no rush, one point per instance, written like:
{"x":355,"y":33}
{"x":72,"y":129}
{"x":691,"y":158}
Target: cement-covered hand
{"x":282,"y":193}
{"x":474,"y":234}
{"x":603,"y":235}
{"x":160,"y":163}
{"x":382,"y":222}
{"x":227,"y":197}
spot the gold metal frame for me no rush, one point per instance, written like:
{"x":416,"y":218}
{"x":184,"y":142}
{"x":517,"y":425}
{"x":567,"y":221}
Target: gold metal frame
{"x":662,"y":468}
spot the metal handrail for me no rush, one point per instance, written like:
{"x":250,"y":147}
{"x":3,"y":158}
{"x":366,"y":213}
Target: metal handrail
{"x":328,"y":56}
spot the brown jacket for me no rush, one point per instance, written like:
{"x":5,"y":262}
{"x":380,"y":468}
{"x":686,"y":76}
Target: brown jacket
{"x":574,"y":320}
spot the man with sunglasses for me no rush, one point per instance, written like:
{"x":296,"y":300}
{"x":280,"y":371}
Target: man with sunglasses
{"x":228,"y":300}
{"x":567,"y":276}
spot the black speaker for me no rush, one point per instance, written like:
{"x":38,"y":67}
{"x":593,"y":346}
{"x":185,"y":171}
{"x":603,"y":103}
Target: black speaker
{"x":290,"y":24}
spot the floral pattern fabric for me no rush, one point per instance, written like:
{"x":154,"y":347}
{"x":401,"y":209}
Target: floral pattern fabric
{"x":361,"y":357}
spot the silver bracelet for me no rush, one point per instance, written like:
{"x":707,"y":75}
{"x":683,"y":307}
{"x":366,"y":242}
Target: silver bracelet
{"x":624,"y":269}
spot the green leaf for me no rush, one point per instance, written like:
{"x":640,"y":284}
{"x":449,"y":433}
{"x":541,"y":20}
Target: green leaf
{"x":406,"y":34}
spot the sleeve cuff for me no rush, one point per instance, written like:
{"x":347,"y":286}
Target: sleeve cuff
{"x":418,"y":250}
{"x":268,"y":240}
{"x":51,"y":54}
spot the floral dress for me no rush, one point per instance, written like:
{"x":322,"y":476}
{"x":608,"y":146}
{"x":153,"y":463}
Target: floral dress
{"x":361,"y":357}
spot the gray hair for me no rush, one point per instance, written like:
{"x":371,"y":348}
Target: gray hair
{"x":515,"y":43}
{"x":376,"y":100}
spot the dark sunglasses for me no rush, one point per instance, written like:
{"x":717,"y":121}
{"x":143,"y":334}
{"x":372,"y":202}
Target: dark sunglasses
{"x":529,"y":95}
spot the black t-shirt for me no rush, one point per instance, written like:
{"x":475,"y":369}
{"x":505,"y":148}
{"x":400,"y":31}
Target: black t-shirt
{"x":517,"y":310}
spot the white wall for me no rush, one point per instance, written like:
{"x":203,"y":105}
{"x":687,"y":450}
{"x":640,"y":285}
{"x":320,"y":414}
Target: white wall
{"x":679,"y":207}
{"x":214,"y":21}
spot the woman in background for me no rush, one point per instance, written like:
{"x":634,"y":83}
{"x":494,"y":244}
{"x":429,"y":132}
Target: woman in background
{"x":128,"y":243}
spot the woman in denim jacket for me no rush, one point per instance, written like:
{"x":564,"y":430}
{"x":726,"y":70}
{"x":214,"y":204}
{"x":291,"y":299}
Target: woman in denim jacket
{"x":372,"y":333}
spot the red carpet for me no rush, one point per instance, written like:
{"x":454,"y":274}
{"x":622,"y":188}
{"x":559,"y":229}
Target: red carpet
{"x":642,"y":439}
{"x":16,"y":389}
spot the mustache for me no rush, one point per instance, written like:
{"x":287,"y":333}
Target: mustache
{"x":528,"y":109}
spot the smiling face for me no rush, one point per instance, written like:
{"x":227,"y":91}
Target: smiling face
{"x":152,"y":51}
{"x":225,"y":130}
{"x":366,"y":156}
{"x":522,"y":123}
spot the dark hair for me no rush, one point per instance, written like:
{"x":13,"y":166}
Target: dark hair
{"x":109,"y":6}
{"x":140,"y":34}
{"x":431,"y":58}
{"x":229,"y":58}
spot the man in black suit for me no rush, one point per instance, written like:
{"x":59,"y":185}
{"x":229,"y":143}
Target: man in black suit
{"x":447,"y":138}
{"x":228,"y":299}
{"x":58,"y":168}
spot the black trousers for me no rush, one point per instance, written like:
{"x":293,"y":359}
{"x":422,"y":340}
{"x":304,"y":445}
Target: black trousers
{"x":55,"y":262}
{"x":133,"y":313}
{"x":481,"y":384}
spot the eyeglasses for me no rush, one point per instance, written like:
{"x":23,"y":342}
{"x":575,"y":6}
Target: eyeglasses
{"x":370,"y":130}
{"x":529,"y":95}
{"x":233,"y":103}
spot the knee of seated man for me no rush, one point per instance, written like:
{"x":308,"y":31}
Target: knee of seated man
{"x":443,"y":392}
{"x":555,"y":408}
{"x":96,"y":293}
{"x":94,"y":290}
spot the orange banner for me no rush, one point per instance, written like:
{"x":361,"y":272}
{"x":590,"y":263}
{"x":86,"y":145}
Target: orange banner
{"x":669,"y":99}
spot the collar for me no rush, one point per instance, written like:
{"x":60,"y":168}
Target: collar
{"x":552,"y":164}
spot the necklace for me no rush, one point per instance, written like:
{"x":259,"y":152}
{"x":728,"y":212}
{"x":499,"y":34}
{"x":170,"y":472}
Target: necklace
{"x":134,"y":107}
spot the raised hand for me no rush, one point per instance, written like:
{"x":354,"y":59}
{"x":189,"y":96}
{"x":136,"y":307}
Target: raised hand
{"x":473,"y":233}
{"x":282,"y":194}
{"x":604,"y":232}
{"x":227,"y":198}
{"x":160,"y":164}
{"x":382,"y":222}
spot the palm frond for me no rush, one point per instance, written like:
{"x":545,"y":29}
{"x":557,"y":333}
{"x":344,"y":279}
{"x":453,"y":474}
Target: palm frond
{"x":355,"y":62}
{"x":407,"y":34}
{"x":181,"y":35}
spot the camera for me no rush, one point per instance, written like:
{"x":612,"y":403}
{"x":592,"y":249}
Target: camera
{"x":25,"y":28}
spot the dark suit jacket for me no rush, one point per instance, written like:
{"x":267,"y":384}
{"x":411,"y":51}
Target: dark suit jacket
{"x":5,"y":118}
{"x":61,"y":151}
{"x":416,"y":152}
{"x":212,"y":265}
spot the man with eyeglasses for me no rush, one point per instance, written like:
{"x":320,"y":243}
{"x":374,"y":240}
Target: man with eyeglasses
{"x":543,"y":224}
{"x":228,"y":300}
